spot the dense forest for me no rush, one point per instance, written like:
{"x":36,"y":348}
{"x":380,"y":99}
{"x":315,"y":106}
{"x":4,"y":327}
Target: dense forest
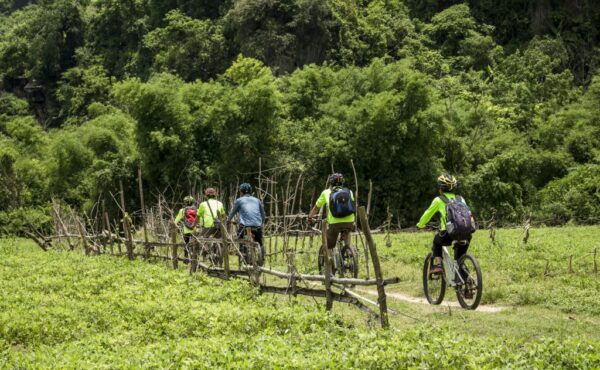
{"x":503,"y":94}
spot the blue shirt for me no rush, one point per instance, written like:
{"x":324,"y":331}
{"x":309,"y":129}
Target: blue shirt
{"x":252,"y":212}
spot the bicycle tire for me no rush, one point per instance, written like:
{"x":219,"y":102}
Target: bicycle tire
{"x":349,"y":262}
{"x":215,"y":254}
{"x":430,"y":284}
{"x":321,"y":263}
{"x":472,"y":303}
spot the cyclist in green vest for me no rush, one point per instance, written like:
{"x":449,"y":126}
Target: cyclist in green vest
{"x":447,"y":186}
{"x":209,"y":213}
{"x":188,"y":216}
{"x":336,"y":225}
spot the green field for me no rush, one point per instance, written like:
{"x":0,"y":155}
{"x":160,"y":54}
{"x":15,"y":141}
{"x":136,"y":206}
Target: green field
{"x":65,"y":310}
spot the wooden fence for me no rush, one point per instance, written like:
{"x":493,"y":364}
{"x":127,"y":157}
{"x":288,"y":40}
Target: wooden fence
{"x":72,"y":230}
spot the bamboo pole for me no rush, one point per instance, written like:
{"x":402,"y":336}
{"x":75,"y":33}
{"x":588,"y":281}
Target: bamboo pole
{"x":225,"y":251}
{"x":376,"y":266}
{"x":174,"y":257}
{"x":143,"y":205}
{"x":83,"y":239}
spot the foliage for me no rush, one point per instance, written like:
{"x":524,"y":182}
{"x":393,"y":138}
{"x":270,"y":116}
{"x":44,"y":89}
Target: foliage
{"x":505,"y":96}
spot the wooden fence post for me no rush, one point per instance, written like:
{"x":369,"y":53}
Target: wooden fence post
{"x":174,"y":256}
{"x":364,"y":224}
{"x":193,"y":250}
{"x":252,"y":249}
{"x":83,"y":240}
{"x":225,"y":251}
{"x":143,"y":205}
{"x":129,"y":244}
{"x":327,"y":261}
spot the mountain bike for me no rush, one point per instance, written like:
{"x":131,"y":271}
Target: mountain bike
{"x":464,"y":275}
{"x":245,"y":257}
{"x":345,"y":259}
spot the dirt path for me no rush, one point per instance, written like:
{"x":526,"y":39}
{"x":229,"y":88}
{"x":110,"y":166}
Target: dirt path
{"x":410,"y":299}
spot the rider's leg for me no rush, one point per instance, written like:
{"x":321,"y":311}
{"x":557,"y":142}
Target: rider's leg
{"x":241,"y":232}
{"x":460,"y":248}
{"x":258,"y":235}
{"x":336,"y":229}
{"x":186,"y":242}
{"x":440,"y":239}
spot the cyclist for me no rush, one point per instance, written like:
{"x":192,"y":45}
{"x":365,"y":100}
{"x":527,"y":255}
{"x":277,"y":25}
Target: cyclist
{"x":252,"y":213}
{"x":209,"y":213}
{"x":187,"y":215}
{"x":447,"y":186}
{"x":337,"y":225}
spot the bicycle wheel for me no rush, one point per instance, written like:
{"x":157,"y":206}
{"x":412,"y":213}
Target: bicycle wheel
{"x":434,"y":286}
{"x":469,"y":294}
{"x":321,"y":262}
{"x":261,"y":256}
{"x":215,"y":254}
{"x":349,"y":262}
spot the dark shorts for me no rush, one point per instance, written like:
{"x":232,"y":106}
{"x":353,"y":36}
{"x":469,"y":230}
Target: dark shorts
{"x":442,"y":238}
{"x":334,"y":230}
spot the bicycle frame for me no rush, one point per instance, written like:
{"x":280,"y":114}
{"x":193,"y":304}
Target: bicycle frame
{"x":451,"y":268}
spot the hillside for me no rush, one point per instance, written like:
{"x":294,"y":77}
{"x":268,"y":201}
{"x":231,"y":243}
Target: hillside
{"x":506,"y":97}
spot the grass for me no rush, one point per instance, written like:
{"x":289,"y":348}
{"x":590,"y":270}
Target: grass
{"x":65,"y":310}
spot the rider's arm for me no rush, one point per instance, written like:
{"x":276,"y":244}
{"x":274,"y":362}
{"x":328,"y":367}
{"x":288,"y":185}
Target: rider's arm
{"x":179,"y":217}
{"x":320,"y":202}
{"x":429,"y":213}
{"x":234,"y":210}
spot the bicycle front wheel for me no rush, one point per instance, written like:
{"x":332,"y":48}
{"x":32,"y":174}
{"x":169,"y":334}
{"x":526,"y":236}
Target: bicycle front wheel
{"x":469,"y":294}
{"x":434,"y":285}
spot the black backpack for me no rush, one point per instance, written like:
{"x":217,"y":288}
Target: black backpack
{"x":459,"y":222}
{"x":341,"y":203}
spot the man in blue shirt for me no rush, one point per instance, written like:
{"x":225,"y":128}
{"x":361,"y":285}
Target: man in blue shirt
{"x":252,"y":213}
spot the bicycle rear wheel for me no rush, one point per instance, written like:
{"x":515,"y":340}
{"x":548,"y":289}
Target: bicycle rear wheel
{"x":321,"y":262}
{"x":349,"y":262}
{"x":434,"y":286}
{"x":469,"y":295}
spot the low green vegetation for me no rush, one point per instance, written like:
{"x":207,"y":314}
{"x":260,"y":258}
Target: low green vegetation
{"x":65,"y":310}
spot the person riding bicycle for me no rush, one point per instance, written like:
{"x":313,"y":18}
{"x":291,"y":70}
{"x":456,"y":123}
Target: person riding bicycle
{"x":345,"y":219}
{"x":209,"y":211}
{"x":447,"y":186}
{"x":252,"y":213}
{"x":188,"y":216}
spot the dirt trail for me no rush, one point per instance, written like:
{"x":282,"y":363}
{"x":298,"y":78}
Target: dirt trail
{"x":410,"y":299}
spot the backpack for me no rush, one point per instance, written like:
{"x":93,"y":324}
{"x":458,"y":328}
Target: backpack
{"x":341,"y":203}
{"x":459,"y":221}
{"x":190,"y":217}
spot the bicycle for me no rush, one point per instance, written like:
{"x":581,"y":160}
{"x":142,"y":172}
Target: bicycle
{"x":464,"y":275}
{"x":244,"y":256}
{"x":345,"y":258}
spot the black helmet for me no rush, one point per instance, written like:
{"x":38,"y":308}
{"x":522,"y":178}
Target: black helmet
{"x":336,"y":179}
{"x":447,"y":182}
{"x":246,"y":188}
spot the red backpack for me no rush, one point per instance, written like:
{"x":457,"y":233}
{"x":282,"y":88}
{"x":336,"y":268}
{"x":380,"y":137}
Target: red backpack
{"x":190,"y":217}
